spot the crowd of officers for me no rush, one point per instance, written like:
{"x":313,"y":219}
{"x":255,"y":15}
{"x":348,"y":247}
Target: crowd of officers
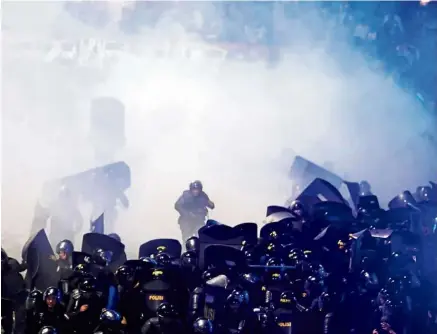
{"x":288,"y":283}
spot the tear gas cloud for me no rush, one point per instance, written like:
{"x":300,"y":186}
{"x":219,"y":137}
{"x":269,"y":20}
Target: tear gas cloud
{"x":227,"y":123}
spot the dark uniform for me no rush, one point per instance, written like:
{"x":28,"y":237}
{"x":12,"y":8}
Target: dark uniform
{"x":167,"y":321}
{"x":52,"y":310}
{"x":193,"y":207}
{"x":13,"y":294}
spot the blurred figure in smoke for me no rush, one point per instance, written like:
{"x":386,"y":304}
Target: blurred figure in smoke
{"x":193,"y":207}
{"x":107,"y":197}
{"x":65,"y":217}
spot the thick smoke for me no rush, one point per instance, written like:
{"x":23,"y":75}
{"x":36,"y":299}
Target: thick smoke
{"x":231,"y":124}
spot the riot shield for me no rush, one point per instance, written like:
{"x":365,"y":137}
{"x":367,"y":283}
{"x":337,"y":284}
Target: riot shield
{"x":216,"y":292}
{"x":333,"y":213}
{"x":272,"y":209}
{"x":276,"y":214}
{"x":320,"y":191}
{"x":402,"y":218}
{"x":369,"y":203}
{"x":142,"y":270}
{"x":375,"y":233}
{"x":41,"y":262}
{"x":332,"y":209}
{"x":94,"y":241}
{"x":322,"y":233}
{"x":172,"y":247}
{"x":370,"y":244}
{"x":353,"y":189}
{"x":82,"y":184}
{"x":139,"y":265}
{"x":303,"y":172}
{"x":405,"y":242}
{"x":98,"y":225}
{"x":266,"y":231}
{"x":331,"y":238}
{"x":219,"y":235}
{"x":220,"y":232}
{"x":404,"y":200}
{"x":249,"y":231}
{"x":220,"y":256}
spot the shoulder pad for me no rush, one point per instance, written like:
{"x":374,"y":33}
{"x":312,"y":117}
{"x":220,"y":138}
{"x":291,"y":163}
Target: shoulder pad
{"x":75,"y":294}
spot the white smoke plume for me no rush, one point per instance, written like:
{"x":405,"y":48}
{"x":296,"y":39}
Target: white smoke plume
{"x":225,"y":122}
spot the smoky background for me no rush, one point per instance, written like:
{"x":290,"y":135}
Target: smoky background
{"x":194,"y":113}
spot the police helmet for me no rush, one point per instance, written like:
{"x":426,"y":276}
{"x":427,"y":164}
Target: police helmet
{"x":88,"y":284}
{"x":249,"y":255}
{"x":297,"y":208}
{"x":202,"y":326}
{"x":365,"y":187}
{"x":250,"y":278}
{"x":189,"y":259}
{"x":275,"y":262}
{"x":270,"y":248}
{"x":115,"y":236}
{"x":209,"y":274}
{"x":48,"y":330}
{"x":163,"y":259}
{"x":52,"y":292}
{"x":192,"y":244}
{"x":196,"y":185}
{"x":65,"y":246}
{"x":211,"y":222}
{"x":82,"y":268}
{"x":296,"y":257}
{"x":237,"y":299}
{"x":166,"y":310}
{"x":102,"y":256}
{"x":125,"y":275}
{"x":33,"y":299}
{"x":312,"y":283}
{"x":109,"y":317}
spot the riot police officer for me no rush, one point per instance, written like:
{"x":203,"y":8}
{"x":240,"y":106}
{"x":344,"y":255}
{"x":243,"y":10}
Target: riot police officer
{"x":13,"y":294}
{"x":52,"y":311}
{"x":64,"y":251}
{"x":193,"y":207}
{"x":84,"y":306}
{"x":65,"y":217}
{"x":167,"y":321}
